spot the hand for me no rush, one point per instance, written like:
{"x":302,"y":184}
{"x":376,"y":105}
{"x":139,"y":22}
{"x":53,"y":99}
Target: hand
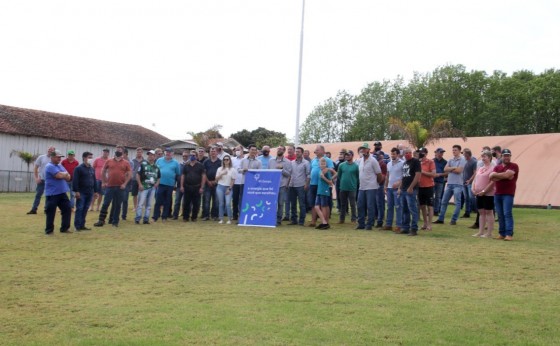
{"x":38,"y":180}
{"x":409,"y":190}
{"x":77,"y":195}
{"x":182,"y":189}
{"x":123,"y":186}
{"x":228,"y":191}
{"x":140,"y":187}
{"x":201,"y":190}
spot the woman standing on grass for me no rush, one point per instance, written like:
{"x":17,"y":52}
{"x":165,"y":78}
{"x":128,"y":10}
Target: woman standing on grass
{"x":483,"y":189}
{"x":225,"y":176}
{"x":326,"y":178}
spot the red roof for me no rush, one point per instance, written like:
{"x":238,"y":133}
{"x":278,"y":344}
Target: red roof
{"x":34,"y":123}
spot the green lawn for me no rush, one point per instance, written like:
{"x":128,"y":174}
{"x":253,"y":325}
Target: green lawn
{"x":203,"y":283}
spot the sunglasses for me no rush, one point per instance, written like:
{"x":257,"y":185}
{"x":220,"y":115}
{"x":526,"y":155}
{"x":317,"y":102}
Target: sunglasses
{"x":225,"y":160}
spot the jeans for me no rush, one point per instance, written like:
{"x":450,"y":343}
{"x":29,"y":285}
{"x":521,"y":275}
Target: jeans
{"x":455,"y":190}
{"x":311,"y":196}
{"x":298,"y":195}
{"x":61,"y":201}
{"x":394,"y":207}
{"x":367,"y":202}
{"x":438,"y":194}
{"x":470,"y":203}
{"x":287,"y":204}
{"x":145,"y":198}
{"x":504,"y":208}
{"x":191,"y":202}
{"x":164,"y":197}
{"x":210,"y":195}
{"x":344,"y":197}
{"x":224,"y":201}
{"x":236,"y":198}
{"x":410,"y":210}
{"x":380,"y":212}
{"x":72,"y":195}
{"x":282,"y":197}
{"x":82,"y":207}
{"x":39,"y":190}
{"x":177,"y":204}
{"x":126,"y":195}
{"x":114,"y":196}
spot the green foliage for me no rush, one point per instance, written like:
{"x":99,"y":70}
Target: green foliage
{"x":418,"y":136}
{"x":476,"y":103}
{"x":26,"y":157}
{"x":260,"y":137}
{"x":203,"y":138}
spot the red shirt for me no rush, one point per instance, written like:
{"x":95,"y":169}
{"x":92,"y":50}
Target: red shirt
{"x":70,"y":166}
{"x":116,"y":172}
{"x":428,"y":165}
{"x":291,"y":158}
{"x":506,"y":186}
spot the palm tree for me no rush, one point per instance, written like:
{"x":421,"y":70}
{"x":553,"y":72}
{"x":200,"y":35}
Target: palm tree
{"x":28,"y":158}
{"x":419,"y":136}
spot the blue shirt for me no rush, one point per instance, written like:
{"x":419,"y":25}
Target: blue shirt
{"x":54,"y":186}
{"x":84,"y":179}
{"x":316,"y":169}
{"x":440,"y":165}
{"x":264,"y":161}
{"x":323,"y":188}
{"x":169,"y":171}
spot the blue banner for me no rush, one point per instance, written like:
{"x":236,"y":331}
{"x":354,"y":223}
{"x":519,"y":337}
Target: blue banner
{"x":260,"y":197}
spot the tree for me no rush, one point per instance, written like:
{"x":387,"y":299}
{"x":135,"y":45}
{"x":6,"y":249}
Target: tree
{"x":203,"y":138}
{"x":244,"y":137}
{"x":419,"y":136}
{"x":260,"y":137}
{"x":28,"y":158}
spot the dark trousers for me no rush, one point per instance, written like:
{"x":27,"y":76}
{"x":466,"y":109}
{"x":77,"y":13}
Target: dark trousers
{"x":210,"y":196}
{"x":177,"y":203}
{"x":39,"y":190}
{"x":113,"y":196}
{"x":126,"y":194}
{"x":236,"y":199}
{"x":62,"y":202}
{"x":164,"y":197}
{"x":191,"y":202}
{"x":82,"y":206}
{"x":298,"y":195}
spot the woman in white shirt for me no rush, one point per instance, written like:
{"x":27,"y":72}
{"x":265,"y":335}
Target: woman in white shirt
{"x":225,"y":176}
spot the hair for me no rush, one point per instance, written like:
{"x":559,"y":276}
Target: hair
{"x":395,"y":150}
{"x":157,"y":150}
{"x":251,"y":146}
{"x":229,"y":160}
{"x":125,"y":151}
{"x":488,"y":154}
{"x":86,"y":154}
{"x":300,"y":148}
{"x":139,"y":148}
{"x":467,"y":151}
{"x":281,"y":146}
{"x":457,"y":146}
{"x":497,"y":148}
{"x":485,"y":148}
{"x":120,"y":147}
{"x":322,"y":159}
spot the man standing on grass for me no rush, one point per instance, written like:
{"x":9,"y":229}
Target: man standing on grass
{"x":193,"y":180}
{"x":439,"y":179}
{"x":282,"y":163}
{"x":115,"y":176}
{"x":98,"y":165}
{"x":299,"y":183}
{"x":84,"y":187}
{"x":454,"y":187}
{"x":169,"y":169}
{"x":348,"y":176}
{"x":147,"y":179}
{"x":136,"y":162}
{"x":409,"y":191}
{"x":505,"y":175}
{"x":314,"y":182}
{"x":210,"y":198}
{"x":70,"y":163}
{"x":39,"y":172}
{"x":370,"y":177}
{"x":56,"y":188}
{"x":392,"y":184}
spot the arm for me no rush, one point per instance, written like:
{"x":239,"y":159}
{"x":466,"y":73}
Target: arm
{"x":414,"y":182}
{"x":36,"y":173}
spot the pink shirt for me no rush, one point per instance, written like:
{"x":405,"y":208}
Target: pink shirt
{"x":98,"y":164}
{"x":482,"y":180}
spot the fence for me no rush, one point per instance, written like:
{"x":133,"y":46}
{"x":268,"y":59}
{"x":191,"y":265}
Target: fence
{"x":17,"y":181}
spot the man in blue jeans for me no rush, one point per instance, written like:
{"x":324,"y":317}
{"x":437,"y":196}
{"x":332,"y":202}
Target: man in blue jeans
{"x":56,"y":188}
{"x":84,"y":187}
{"x":439,"y":179}
{"x":370,"y":177}
{"x":408,"y":190}
{"x":169,"y":169}
{"x":39,"y":173}
{"x":454,"y":186}
{"x":505,"y":175}
{"x":392,"y":183}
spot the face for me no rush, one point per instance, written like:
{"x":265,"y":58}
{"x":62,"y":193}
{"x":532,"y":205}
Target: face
{"x":439,"y":154}
{"x":71,"y":157}
{"x":88,"y":160}
{"x":280,"y":151}
{"x":485,"y":159}
{"x":291,"y":151}
{"x":348,"y":157}
{"x":319,"y":151}
{"x":506,"y":159}
{"x":394,"y":155}
{"x":365,"y":151}
{"x":50,"y":150}
{"x":226,"y":161}
{"x":168,"y":154}
{"x":306,"y":153}
{"x":159,"y":153}
{"x":456,"y":152}
{"x":185,"y":156}
{"x":266,"y":150}
{"x":151,"y":157}
{"x":201,"y":153}
{"x":213,"y":152}
{"x":299,"y":153}
{"x":408,"y":155}
{"x":105,"y":154}
{"x":323,"y":164}
{"x":253,"y":151}
{"x":56,"y":159}
{"x":139,"y":152}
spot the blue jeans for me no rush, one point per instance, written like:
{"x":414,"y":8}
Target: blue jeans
{"x":61,"y":201}
{"x":298,"y":195}
{"x":409,"y":210}
{"x":113,"y":196}
{"x":504,"y":208}
{"x":367,"y":202}
{"x":210,"y":195}
{"x":311,"y":196}
{"x":177,"y":204}
{"x":282,"y":197}
{"x":82,"y":206}
{"x":455,"y":190}
{"x":380,"y":212}
{"x":39,"y":190}
{"x":145,"y":198}
{"x":164,"y":196}
{"x":224,"y":201}
{"x":438,"y":194}
{"x":394,"y":206}
{"x":72,"y":195}
{"x":287,"y":204}
{"x":470,"y":203}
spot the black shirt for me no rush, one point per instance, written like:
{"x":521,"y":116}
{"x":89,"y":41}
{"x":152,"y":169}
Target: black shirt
{"x":409,"y":169}
{"x":193,"y":174}
{"x":84,"y":179}
{"x":212,"y":168}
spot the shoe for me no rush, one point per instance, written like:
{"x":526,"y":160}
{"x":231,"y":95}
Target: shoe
{"x":485,"y":236}
{"x":466,"y":216}
{"x":474,"y":226}
{"x":154,"y":220}
{"x":293,"y":223}
{"x":85,"y":229}
{"x":413,"y":234}
{"x":369,"y":228}
{"x":229,"y":222}
{"x":327,"y":226}
{"x":320,"y":226}
{"x":32,"y":212}
{"x":436,"y":214}
{"x":379,"y":226}
{"x":124,"y":218}
{"x":453,"y":223}
{"x":508,"y":238}
{"x":323,"y":226}
{"x":387,"y":228}
{"x":340,"y":222}
{"x":439,"y":222}
{"x":49,"y":233}
{"x":286,"y":219}
{"x":477,"y":235}
{"x":137,"y":222}
{"x":215,"y":219}
{"x":359,"y":227}
{"x":66,"y":231}
{"x":205,"y":219}
{"x":185,"y":220}
{"x":311,"y":224}
{"x":193,"y":220}
{"x":221,"y":222}
{"x":99,"y":224}
{"x":116,"y":225}
{"x":500,"y":237}
{"x":175,"y":218}
{"x":234,"y":218}
{"x":397,"y":229}
{"x":146,"y":222}
{"x":402,"y":232}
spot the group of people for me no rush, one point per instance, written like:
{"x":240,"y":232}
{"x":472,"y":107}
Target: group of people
{"x":401,"y":183}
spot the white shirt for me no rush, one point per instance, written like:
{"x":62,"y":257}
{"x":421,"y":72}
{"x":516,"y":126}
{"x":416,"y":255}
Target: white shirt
{"x":227,"y":178}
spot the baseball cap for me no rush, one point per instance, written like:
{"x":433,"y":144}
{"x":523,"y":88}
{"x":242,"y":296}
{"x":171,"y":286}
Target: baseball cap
{"x":168,"y":149}
{"x":440,"y":150}
{"x":506,"y":152}
{"x":349,"y":152}
{"x":377,"y":144}
{"x":423,"y":150}
{"x":56,"y":153}
{"x":151,"y":152}
{"x":71,"y":152}
{"x":365,"y":146}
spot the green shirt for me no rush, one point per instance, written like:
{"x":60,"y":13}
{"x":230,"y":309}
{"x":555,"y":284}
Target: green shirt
{"x":149,"y":174}
{"x":348,"y":175}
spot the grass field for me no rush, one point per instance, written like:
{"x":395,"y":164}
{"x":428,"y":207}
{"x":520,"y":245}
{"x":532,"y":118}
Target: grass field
{"x":203,"y":283}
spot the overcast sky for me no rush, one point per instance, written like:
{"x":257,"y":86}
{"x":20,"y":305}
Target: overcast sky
{"x":179,"y":66}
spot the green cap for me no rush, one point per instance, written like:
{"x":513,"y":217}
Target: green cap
{"x":364,"y":146}
{"x":71,"y":152}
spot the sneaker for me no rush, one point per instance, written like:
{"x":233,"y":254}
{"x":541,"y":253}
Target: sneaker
{"x":292,"y":223}
{"x":137,"y":222}
{"x":221,"y":222}
{"x":369,"y":228}
{"x":323,"y":226}
{"x":66,"y":231}
{"x":439,"y":222}
{"x":49,"y":233}
{"x":116,"y":225}
{"x":229,"y":222}
{"x":340,"y":222}
{"x":285,"y":219}
{"x":402,"y":232}
{"x":413,"y":234}
{"x":477,"y":235}
{"x":32,"y":212}
{"x":193,"y":220}
{"x":397,"y":229}
{"x":466,"y":216}
{"x":175,"y":218}
{"x":146,"y":222}
{"x":85,"y":229}
{"x":359,"y":227}
{"x":205,"y":219}
{"x":453,"y":223}
{"x":436,"y":213}
{"x":311,"y":224}
{"x":508,"y":238}
{"x":474,"y":226}
{"x":379,"y":225}
{"x":500,"y":237}
{"x":98,"y":224}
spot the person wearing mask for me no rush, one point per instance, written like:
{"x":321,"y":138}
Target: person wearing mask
{"x":283,"y":164}
{"x":193,"y":180}
{"x":56,"y":188}
{"x":265,"y":157}
{"x":147,"y":178}
{"x":369,"y":178}
{"x":115,"y":176}
{"x":85,"y":188}
{"x":408,"y":191}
